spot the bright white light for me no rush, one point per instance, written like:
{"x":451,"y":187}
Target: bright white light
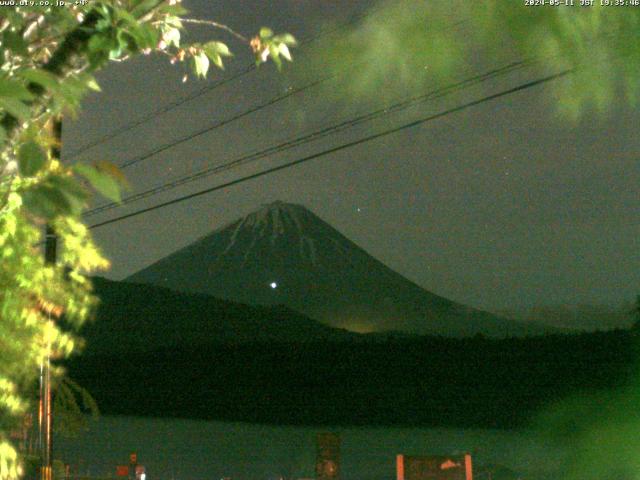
{"x":143,"y":476}
{"x":273,"y":285}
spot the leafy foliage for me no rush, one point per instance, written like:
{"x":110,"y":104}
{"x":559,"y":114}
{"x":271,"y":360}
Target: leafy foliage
{"x":267,"y":44}
{"x":409,"y":44}
{"x":73,"y":406}
{"x":47,"y":59}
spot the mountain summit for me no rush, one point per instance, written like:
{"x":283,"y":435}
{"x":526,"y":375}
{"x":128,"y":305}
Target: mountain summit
{"x":285,"y":254}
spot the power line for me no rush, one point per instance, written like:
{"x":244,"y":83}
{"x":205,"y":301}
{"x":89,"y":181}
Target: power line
{"x":156,"y":113}
{"x":309,"y":137}
{"x":308,"y":158}
{"x":314,"y":135}
{"x":175,"y":104}
{"x":221,"y":123}
{"x":251,"y":110}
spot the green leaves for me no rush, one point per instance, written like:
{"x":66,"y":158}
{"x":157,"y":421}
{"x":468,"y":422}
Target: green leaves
{"x":266,"y":45}
{"x":171,"y":36}
{"x":120,"y":33}
{"x":90,"y":82}
{"x":142,"y":7}
{"x":61,"y":194}
{"x":203,"y":55}
{"x":70,"y":92}
{"x":13,"y":96}
{"x":14,"y":89}
{"x":200,"y":64}
{"x":31,"y":158}
{"x":139,"y":37}
{"x":285,"y":38}
{"x":105,"y":178}
{"x":171,"y":31}
{"x":282,"y":43}
{"x":57,"y":195}
{"x":100,"y":49}
{"x":14,"y":42}
{"x":176,"y":9}
{"x":215,"y":51}
{"x":15,"y":107}
{"x":74,"y":193}
{"x":41,"y":77}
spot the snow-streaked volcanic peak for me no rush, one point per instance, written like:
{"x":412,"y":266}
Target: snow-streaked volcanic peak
{"x":274,"y":221}
{"x":285,"y":254}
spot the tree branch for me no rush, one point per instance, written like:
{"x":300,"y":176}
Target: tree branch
{"x":73,"y":44}
{"x":221,"y":26}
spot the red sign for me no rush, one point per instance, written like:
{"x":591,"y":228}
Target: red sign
{"x":431,"y":467}
{"x":122,"y":471}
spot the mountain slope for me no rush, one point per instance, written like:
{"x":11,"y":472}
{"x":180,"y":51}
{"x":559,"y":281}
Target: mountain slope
{"x":141,"y":318}
{"x":284,"y":254}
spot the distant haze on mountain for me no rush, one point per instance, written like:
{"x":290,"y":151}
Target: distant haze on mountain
{"x":283,"y":254}
{"x":577,"y":317}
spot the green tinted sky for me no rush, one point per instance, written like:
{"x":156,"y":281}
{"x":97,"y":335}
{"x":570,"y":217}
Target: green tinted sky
{"x":505,"y":204}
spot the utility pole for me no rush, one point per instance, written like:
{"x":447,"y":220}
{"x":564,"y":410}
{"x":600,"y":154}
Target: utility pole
{"x":45,"y":417}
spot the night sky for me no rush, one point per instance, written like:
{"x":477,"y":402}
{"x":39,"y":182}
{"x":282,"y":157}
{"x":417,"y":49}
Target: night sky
{"x":502,"y":205}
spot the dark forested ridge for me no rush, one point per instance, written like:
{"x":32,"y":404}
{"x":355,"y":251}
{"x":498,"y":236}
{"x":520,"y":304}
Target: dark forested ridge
{"x":156,"y":352}
{"x":140,"y":318}
{"x":429,"y":381}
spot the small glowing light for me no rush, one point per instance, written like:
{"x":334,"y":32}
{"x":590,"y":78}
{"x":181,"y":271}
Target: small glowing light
{"x":273,"y":285}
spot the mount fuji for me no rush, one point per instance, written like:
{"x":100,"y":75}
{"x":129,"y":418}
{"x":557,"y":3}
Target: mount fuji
{"x":283,"y":254}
